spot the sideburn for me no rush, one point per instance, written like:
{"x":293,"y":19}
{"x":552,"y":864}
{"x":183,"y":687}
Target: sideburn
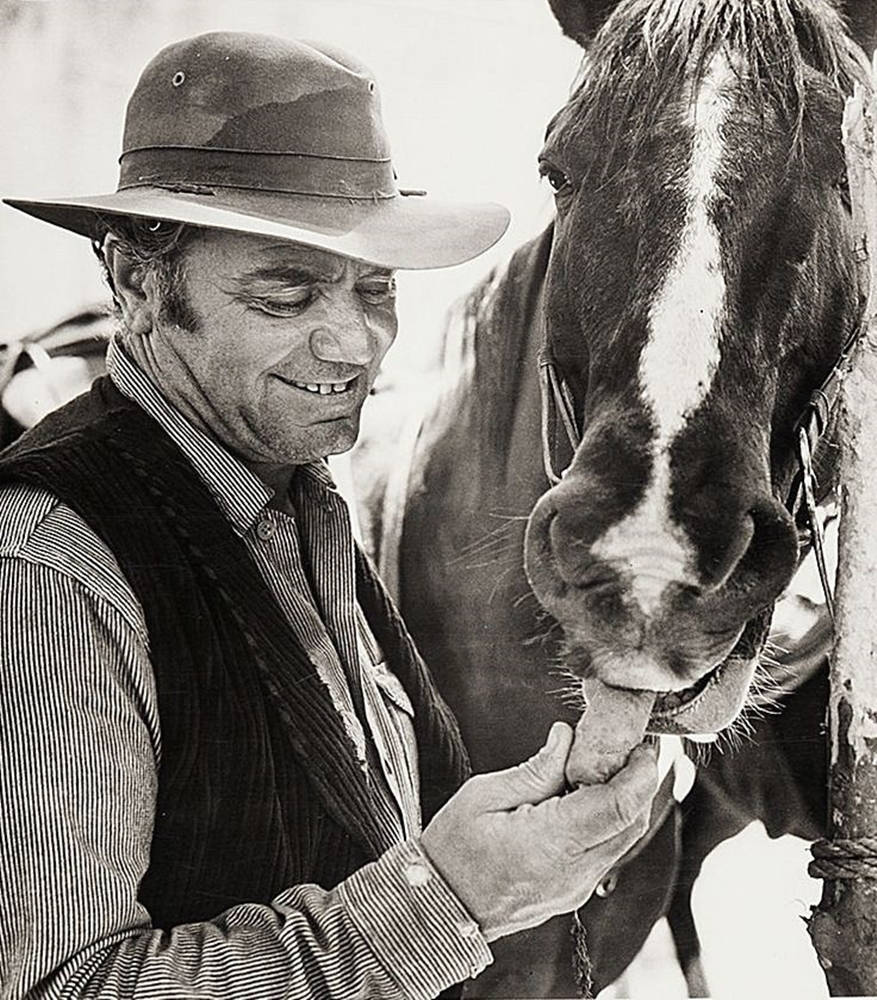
{"x":176,"y":309}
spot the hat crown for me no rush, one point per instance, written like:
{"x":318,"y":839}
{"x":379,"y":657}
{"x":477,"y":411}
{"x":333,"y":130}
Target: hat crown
{"x":256,"y":93}
{"x":249,"y":133}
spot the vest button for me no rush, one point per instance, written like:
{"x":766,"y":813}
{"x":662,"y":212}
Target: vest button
{"x":607,"y":886}
{"x":264,"y":529}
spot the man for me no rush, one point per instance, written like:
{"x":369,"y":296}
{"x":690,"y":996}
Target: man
{"x":219,"y":741}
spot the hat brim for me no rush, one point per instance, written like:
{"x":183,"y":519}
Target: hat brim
{"x":408,"y":232}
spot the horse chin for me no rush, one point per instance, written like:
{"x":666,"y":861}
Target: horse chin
{"x":716,"y":700}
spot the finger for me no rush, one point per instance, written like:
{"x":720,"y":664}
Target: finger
{"x":533,"y":781}
{"x":598,"y":812}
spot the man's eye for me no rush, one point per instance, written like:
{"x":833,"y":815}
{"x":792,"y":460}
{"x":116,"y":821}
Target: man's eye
{"x":283,"y":305}
{"x":377,"y":291}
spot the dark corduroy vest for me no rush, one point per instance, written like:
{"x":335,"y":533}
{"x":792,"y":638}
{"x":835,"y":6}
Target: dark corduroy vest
{"x":259,"y":788}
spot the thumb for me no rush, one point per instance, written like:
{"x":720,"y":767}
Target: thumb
{"x":536,"y":779}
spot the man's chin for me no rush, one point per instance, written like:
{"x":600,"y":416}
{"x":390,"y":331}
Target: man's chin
{"x":330,"y":437}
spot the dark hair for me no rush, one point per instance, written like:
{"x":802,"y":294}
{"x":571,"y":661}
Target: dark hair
{"x":157,"y":246}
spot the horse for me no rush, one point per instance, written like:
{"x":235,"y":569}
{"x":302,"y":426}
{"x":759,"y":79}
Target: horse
{"x":604,"y":483}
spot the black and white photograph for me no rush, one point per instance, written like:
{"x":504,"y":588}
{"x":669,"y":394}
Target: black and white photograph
{"x":438,"y":499}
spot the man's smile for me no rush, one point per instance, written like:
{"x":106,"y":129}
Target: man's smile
{"x":342,"y":390}
{"x":323,"y":388}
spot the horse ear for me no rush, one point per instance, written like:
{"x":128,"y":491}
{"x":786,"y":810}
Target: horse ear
{"x":861,"y":18}
{"x":581,"y":19}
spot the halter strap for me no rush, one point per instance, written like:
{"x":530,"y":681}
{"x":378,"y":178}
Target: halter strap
{"x":556,"y":398}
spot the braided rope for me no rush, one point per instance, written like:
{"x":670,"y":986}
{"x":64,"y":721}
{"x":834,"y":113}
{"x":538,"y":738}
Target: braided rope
{"x":323,"y":778}
{"x":581,"y":960}
{"x":844,"y":859}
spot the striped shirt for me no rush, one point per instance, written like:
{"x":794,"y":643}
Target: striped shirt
{"x":81,"y":743}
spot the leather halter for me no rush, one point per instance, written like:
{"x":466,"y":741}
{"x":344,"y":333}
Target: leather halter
{"x":553,"y":389}
{"x":809,"y":429}
{"x":810,"y":435}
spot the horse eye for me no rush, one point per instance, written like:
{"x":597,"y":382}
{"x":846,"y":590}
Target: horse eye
{"x":556,"y":178}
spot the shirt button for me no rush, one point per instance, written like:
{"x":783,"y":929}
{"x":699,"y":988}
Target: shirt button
{"x":265,"y":529}
{"x":417,"y":875}
{"x":469,"y":929}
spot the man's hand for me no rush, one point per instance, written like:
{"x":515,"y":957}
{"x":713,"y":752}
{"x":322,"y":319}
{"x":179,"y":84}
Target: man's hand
{"x":516,"y":851}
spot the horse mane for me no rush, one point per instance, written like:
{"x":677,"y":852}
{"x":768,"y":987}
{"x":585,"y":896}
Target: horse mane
{"x":487,"y":337}
{"x":648,"y":50}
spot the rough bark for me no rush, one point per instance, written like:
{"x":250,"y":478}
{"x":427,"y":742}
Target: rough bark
{"x":844,"y":925}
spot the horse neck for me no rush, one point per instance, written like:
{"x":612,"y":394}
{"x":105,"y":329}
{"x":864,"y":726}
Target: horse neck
{"x":503,"y":388}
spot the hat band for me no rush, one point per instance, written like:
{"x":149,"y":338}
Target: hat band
{"x":182,"y":168}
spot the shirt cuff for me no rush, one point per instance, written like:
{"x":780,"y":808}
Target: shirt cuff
{"x":418,"y":929}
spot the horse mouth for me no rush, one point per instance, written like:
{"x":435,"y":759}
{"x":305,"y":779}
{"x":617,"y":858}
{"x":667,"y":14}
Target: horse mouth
{"x":715,"y":700}
{"x":669,"y":703}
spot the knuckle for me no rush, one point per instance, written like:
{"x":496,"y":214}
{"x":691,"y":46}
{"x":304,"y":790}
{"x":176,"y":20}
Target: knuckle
{"x":626,"y":809}
{"x":570,"y":850}
{"x":528,"y":773}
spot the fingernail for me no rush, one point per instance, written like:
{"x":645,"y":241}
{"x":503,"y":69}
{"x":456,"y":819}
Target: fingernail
{"x":553,"y":737}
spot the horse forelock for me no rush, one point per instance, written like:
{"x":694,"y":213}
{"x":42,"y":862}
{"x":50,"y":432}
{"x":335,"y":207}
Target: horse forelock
{"x":649,"y":52}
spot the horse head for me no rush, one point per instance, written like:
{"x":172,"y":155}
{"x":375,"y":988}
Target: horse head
{"x":701,"y":284}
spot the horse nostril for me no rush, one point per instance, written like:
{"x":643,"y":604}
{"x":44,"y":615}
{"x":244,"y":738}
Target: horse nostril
{"x":761,"y":556}
{"x":725,"y":564}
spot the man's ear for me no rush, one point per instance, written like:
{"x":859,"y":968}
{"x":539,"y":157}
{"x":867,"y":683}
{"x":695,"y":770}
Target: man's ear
{"x":131,"y":287}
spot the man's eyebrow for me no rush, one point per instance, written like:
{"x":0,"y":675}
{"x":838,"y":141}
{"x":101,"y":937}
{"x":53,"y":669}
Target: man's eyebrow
{"x":287,"y":274}
{"x":301,"y":274}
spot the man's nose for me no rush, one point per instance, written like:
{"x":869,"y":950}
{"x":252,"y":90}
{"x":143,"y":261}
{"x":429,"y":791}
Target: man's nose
{"x":350,"y":342}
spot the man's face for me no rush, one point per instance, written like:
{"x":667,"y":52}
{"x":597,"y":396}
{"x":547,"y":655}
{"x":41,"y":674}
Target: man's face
{"x":286,"y":344}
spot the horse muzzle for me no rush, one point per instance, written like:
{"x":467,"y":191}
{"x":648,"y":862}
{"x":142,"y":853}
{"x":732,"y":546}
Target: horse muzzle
{"x":655,"y":611}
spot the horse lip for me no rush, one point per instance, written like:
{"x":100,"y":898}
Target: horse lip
{"x":697,"y":692}
{"x":716,"y":705}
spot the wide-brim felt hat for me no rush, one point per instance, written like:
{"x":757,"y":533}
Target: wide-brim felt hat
{"x":264,"y":135}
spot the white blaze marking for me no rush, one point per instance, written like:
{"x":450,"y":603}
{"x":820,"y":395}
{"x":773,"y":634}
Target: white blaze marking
{"x":678,"y":362}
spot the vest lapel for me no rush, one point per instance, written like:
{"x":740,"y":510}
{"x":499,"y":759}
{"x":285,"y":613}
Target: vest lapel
{"x":301,"y":698}
{"x":444,"y":763}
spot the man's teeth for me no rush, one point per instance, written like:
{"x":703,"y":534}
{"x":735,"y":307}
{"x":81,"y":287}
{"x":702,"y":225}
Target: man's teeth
{"x":324,"y":388}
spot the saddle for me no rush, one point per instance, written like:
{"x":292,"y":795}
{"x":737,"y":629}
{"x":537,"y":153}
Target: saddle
{"x":43,"y":370}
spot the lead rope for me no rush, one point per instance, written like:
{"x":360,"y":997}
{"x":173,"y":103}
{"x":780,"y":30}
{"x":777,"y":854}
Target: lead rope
{"x":581,"y":960}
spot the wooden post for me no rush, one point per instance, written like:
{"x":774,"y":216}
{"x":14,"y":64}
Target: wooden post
{"x":844,"y":925}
